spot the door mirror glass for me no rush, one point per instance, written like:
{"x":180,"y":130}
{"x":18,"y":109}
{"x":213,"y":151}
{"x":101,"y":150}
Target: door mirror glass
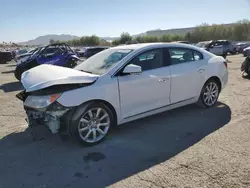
{"x":130,"y":69}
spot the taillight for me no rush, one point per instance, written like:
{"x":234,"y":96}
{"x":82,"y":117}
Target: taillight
{"x":225,"y":63}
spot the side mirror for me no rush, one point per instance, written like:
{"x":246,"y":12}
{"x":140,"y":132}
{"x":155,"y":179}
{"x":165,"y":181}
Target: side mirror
{"x":132,"y":69}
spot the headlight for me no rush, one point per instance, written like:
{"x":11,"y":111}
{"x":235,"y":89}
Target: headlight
{"x":40,"y":101}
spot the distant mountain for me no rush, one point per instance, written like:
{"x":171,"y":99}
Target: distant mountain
{"x":159,"y":32}
{"x":44,"y":40}
{"x":109,"y":38}
{"x":156,"y":33}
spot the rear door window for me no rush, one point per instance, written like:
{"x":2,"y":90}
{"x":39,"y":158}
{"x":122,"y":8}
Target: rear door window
{"x":184,"y":55}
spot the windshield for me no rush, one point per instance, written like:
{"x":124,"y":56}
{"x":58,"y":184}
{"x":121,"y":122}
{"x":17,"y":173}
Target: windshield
{"x":36,"y":51}
{"x":103,"y":61}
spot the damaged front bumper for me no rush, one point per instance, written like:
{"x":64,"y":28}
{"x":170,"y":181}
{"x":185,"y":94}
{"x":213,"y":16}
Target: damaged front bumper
{"x":55,"y":116}
{"x":51,"y":118}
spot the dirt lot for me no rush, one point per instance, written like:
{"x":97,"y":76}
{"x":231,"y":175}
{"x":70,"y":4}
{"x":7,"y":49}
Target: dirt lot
{"x":187,"y":147}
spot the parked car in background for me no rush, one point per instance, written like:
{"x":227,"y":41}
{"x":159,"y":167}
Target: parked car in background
{"x":80,"y":52}
{"x":59,"y":54}
{"x":246,"y":52}
{"x":90,"y":51}
{"x":21,"y":51}
{"x":5,"y":56}
{"x":183,"y":42}
{"x":241,"y":46}
{"x":119,"y":85}
{"x":23,"y":57}
{"x":212,"y":47}
{"x":228,"y":46}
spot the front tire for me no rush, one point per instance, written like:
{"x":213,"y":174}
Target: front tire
{"x":93,"y":124}
{"x":209,"y":93}
{"x":234,"y":51}
{"x":71,"y":64}
{"x":18,"y":72}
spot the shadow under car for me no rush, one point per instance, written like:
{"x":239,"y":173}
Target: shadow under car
{"x":129,"y":149}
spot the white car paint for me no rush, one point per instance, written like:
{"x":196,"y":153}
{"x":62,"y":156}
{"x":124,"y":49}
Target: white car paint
{"x":137,"y":95}
{"x":135,"y":92}
{"x":44,"y":76}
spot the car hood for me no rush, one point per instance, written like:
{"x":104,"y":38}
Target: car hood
{"x":44,"y":76}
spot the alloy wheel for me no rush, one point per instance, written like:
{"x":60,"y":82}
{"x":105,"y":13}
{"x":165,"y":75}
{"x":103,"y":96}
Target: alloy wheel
{"x":211,"y":93}
{"x":94,"y":125}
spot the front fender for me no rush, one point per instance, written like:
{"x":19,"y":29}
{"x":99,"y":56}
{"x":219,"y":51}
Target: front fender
{"x":104,"y":89}
{"x":74,"y":57}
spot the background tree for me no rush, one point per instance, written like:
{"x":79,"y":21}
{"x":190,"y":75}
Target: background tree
{"x":52,"y":41}
{"x":239,"y":31}
{"x":125,"y":38}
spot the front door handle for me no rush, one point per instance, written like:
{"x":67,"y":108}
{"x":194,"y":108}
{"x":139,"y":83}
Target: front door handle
{"x":163,"y":79}
{"x":201,"y":70}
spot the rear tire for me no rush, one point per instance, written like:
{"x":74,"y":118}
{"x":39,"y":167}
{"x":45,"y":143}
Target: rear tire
{"x":92,"y":123}
{"x":209,"y":94}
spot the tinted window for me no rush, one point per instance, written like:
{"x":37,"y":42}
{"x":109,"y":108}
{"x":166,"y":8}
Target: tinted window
{"x":149,"y":60}
{"x":180,"y":55}
{"x":197,"y":55}
{"x":99,"y":50}
{"x":183,"y":55}
{"x":93,"y":51}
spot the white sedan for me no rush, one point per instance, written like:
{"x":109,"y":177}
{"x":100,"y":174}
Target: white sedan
{"x":119,"y":85}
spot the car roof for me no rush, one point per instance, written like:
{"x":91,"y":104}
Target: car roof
{"x":94,"y":47}
{"x":154,"y":45}
{"x":223,"y":40}
{"x":134,"y":46}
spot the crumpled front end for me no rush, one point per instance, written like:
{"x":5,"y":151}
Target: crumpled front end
{"x":53,"y":117}
{"x":41,"y":94}
{"x":42,"y":109}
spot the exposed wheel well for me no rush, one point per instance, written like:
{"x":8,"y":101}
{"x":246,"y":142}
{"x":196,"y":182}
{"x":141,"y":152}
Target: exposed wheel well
{"x":215,"y":78}
{"x":108,"y":105}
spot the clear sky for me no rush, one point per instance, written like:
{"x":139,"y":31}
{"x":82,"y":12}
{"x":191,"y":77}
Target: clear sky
{"x":22,"y":20}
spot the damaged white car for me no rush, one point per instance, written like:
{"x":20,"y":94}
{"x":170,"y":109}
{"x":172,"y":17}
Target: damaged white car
{"x":119,"y":85}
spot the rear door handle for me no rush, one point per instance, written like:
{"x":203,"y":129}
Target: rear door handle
{"x":201,"y":70}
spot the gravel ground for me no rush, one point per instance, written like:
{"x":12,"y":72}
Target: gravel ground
{"x":186,"y":147}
